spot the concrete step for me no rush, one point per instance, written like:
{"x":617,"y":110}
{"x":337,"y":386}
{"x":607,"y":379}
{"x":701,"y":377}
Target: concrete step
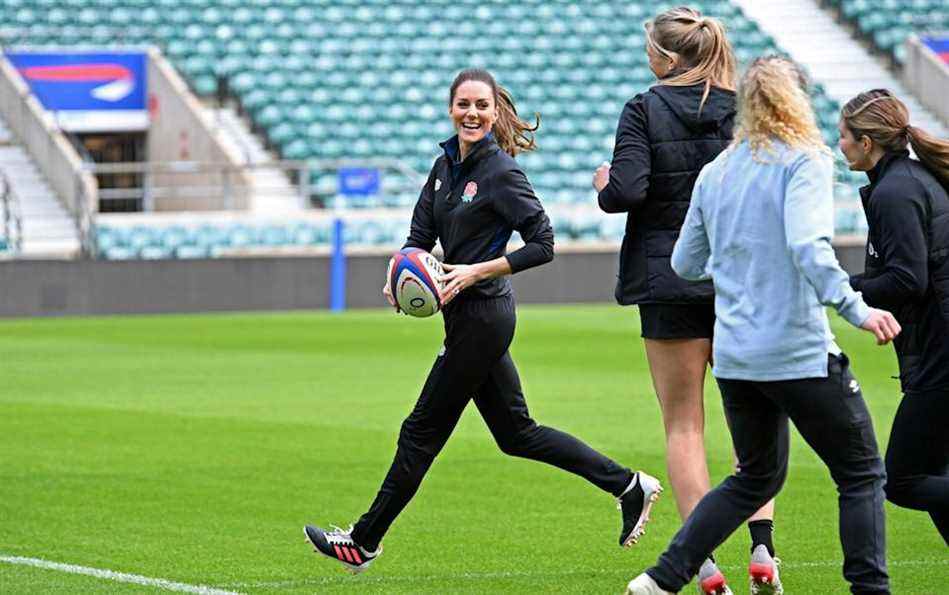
{"x":47,"y":228}
{"x":46,"y":217}
{"x":49,"y":237}
{"x":49,"y":248}
{"x":48,"y":224}
{"x":272,"y":190}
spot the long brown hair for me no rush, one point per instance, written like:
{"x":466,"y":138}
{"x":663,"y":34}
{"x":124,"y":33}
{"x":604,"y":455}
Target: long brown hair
{"x":883,"y":118}
{"x":704,"y":52}
{"x":512,"y":134}
{"x":773,"y":104}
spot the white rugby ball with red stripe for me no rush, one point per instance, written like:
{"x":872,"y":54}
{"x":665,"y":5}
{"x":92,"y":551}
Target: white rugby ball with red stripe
{"x":413,"y":280}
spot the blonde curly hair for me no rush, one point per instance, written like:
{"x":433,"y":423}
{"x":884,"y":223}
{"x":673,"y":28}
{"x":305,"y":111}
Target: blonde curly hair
{"x":773,"y":104}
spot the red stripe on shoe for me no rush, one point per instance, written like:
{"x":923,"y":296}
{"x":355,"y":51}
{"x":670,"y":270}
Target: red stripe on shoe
{"x":714,"y":583}
{"x":355,"y":553}
{"x":341,"y":553}
{"x":761,"y":572}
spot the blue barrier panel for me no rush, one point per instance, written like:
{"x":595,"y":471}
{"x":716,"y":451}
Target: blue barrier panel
{"x":338,"y":268}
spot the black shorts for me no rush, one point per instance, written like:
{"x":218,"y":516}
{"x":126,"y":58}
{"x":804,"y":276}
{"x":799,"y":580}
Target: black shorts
{"x":677,"y":321}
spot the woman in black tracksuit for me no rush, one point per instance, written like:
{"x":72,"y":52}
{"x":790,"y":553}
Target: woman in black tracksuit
{"x":907,"y":272}
{"x":475,"y":197}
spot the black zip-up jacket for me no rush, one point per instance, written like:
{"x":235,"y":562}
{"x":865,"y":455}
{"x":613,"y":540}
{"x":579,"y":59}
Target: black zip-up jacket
{"x":662,"y":143}
{"x":473,"y":206}
{"x":907,"y":265}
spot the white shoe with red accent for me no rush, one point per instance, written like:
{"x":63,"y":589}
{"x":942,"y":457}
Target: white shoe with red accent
{"x":763,"y":573}
{"x":339,"y":545}
{"x":645,"y":585}
{"x":711,"y":580}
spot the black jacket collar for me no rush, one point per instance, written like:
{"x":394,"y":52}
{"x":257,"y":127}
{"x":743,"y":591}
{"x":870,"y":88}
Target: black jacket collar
{"x":479,"y":150}
{"x":876,"y":173}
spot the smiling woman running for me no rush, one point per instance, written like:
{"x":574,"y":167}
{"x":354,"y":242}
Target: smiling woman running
{"x":475,"y":197}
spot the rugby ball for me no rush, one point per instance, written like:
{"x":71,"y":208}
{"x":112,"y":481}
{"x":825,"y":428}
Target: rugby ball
{"x":413,"y":280}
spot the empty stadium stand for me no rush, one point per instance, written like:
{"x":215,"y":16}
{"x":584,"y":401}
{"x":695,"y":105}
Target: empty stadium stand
{"x":323,"y":80}
{"x":887,"y":23}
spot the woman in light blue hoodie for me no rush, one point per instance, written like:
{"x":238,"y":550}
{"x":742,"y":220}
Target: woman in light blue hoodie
{"x":759,"y":225}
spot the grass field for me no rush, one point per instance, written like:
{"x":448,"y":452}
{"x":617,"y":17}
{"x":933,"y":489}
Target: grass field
{"x":194,"y":448}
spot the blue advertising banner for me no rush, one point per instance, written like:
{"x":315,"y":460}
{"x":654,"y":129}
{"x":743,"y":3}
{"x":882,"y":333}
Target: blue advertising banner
{"x":939,"y":45}
{"x":88,"y":91}
{"x":358,"y":181}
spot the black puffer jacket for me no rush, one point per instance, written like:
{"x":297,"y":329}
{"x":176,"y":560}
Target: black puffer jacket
{"x":662,"y":142}
{"x":907,"y":265}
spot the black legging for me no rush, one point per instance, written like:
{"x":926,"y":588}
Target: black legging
{"x":476,"y":365}
{"x":917,"y":458}
{"x":833,"y":419}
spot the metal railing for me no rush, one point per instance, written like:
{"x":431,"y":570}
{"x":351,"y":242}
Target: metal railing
{"x":38,"y":134}
{"x":12,"y":216}
{"x":220,"y":184}
{"x":191,"y":186}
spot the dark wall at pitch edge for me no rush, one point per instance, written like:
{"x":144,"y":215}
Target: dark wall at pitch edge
{"x":70,"y":288}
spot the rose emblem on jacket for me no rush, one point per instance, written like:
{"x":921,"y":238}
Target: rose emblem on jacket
{"x":471,"y":189}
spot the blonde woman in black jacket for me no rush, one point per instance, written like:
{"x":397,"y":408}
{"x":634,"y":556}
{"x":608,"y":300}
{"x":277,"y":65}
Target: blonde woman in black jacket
{"x":665,"y":136}
{"x":907,"y":272}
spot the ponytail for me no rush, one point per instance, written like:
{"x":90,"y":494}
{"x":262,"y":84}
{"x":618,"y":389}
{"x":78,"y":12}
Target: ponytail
{"x":511,"y":133}
{"x":933,"y":152}
{"x":883,"y":118}
{"x":701,"y":45}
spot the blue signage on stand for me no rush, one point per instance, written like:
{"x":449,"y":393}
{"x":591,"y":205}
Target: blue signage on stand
{"x":939,"y":44}
{"x":88,"y":91}
{"x":358,"y":181}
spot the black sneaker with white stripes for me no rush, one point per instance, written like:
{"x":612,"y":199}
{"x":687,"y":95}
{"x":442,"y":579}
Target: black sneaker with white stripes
{"x":339,"y":545}
{"x":635,"y":503}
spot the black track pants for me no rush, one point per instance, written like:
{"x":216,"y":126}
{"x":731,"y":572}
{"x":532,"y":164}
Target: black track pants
{"x":832,"y":417}
{"x":476,"y":365}
{"x":917,"y":458}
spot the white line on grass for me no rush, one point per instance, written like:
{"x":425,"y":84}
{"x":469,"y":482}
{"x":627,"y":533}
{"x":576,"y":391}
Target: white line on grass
{"x":111,"y":575}
{"x":346,"y":579}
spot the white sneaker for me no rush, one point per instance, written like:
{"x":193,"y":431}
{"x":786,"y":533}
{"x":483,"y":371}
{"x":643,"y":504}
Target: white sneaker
{"x":644,"y":585}
{"x":763,"y":573}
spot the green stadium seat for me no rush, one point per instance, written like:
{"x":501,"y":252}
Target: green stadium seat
{"x":274,"y":235}
{"x":241,"y":236}
{"x":175,"y":237}
{"x":155,"y":253}
{"x":209,"y":236}
{"x":887,"y":23}
{"x":192,"y":252}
